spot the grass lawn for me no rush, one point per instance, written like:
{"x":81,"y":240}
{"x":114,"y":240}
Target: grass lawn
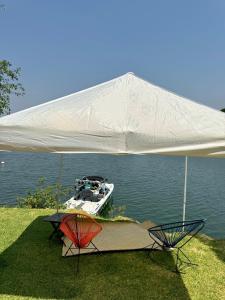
{"x":31,"y":267}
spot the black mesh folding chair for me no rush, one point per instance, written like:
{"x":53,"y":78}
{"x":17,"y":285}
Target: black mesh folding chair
{"x":174,"y":236}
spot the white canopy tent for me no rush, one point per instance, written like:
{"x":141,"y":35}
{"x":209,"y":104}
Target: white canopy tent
{"x":126,"y":115}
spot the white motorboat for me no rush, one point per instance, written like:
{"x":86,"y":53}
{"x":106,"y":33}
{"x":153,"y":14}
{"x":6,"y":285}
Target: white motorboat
{"x":92,"y":193}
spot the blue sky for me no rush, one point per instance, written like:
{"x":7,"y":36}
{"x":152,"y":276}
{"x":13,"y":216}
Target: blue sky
{"x":65,"y":46}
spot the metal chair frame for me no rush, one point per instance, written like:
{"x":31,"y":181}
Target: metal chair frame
{"x":161,"y":238}
{"x":73,"y":246}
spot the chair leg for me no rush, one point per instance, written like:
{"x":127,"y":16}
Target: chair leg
{"x":158,"y":247}
{"x":188,"y":260}
{"x":150,"y":252}
{"x":177,"y":260}
{"x":78,"y":260}
{"x":94,"y":246}
{"x":154,"y":249}
{"x":151,"y":249}
{"x":69,"y":248}
{"x":180,"y":262}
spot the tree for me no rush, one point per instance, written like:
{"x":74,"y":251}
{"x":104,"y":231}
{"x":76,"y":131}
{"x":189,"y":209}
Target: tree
{"x":223,"y":110}
{"x":9,"y":85}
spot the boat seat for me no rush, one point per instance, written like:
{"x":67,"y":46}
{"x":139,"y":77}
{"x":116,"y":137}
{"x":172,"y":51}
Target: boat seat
{"x":86,"y":195}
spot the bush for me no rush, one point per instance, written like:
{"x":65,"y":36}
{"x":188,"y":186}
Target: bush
{"x":112,"y":211}
{"x":44,"y":196}
{"x":116,"y":211}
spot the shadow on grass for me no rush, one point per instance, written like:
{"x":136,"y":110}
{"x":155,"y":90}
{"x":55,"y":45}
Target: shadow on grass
{"x":33,"y":267}
{"x":218,"y":246}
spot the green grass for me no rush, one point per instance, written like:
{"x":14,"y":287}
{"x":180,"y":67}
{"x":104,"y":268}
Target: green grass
{"x":31,"y":267}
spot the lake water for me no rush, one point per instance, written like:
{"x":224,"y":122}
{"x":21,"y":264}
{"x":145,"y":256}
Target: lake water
{"x":151,"y":187}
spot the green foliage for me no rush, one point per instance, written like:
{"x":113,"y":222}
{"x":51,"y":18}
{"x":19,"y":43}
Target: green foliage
{"x":117,"y":211}
{"x":112,"y":211}
{"x":44,"y":196}
{"x":223,"y":110}
{"x":8,"y":85}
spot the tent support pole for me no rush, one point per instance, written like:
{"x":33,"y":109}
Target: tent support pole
{"x":59,"y":181}
{"x":185,"y":187}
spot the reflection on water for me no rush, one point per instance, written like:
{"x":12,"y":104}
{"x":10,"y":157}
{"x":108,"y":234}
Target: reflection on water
{"x":151,"y":187}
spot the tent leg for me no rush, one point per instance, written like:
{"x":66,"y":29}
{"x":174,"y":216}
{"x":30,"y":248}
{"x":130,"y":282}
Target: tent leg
{"x":185,"y":187}
{"x":59,"y":181}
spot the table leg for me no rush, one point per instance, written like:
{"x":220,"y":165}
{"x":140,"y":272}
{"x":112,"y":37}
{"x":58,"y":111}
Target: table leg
{"x":55,"y":226}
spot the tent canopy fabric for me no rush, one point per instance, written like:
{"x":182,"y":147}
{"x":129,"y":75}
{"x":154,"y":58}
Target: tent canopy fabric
{"x":126,"y":115}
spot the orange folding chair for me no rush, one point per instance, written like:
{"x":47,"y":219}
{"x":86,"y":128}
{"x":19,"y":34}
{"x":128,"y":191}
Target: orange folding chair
{"x":80,"y":228}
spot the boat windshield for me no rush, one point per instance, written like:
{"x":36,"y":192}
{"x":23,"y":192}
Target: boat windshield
{"x":94,"y":178}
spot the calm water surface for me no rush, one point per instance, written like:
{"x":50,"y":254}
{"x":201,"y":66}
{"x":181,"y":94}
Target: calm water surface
{"x":151,"y":187}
